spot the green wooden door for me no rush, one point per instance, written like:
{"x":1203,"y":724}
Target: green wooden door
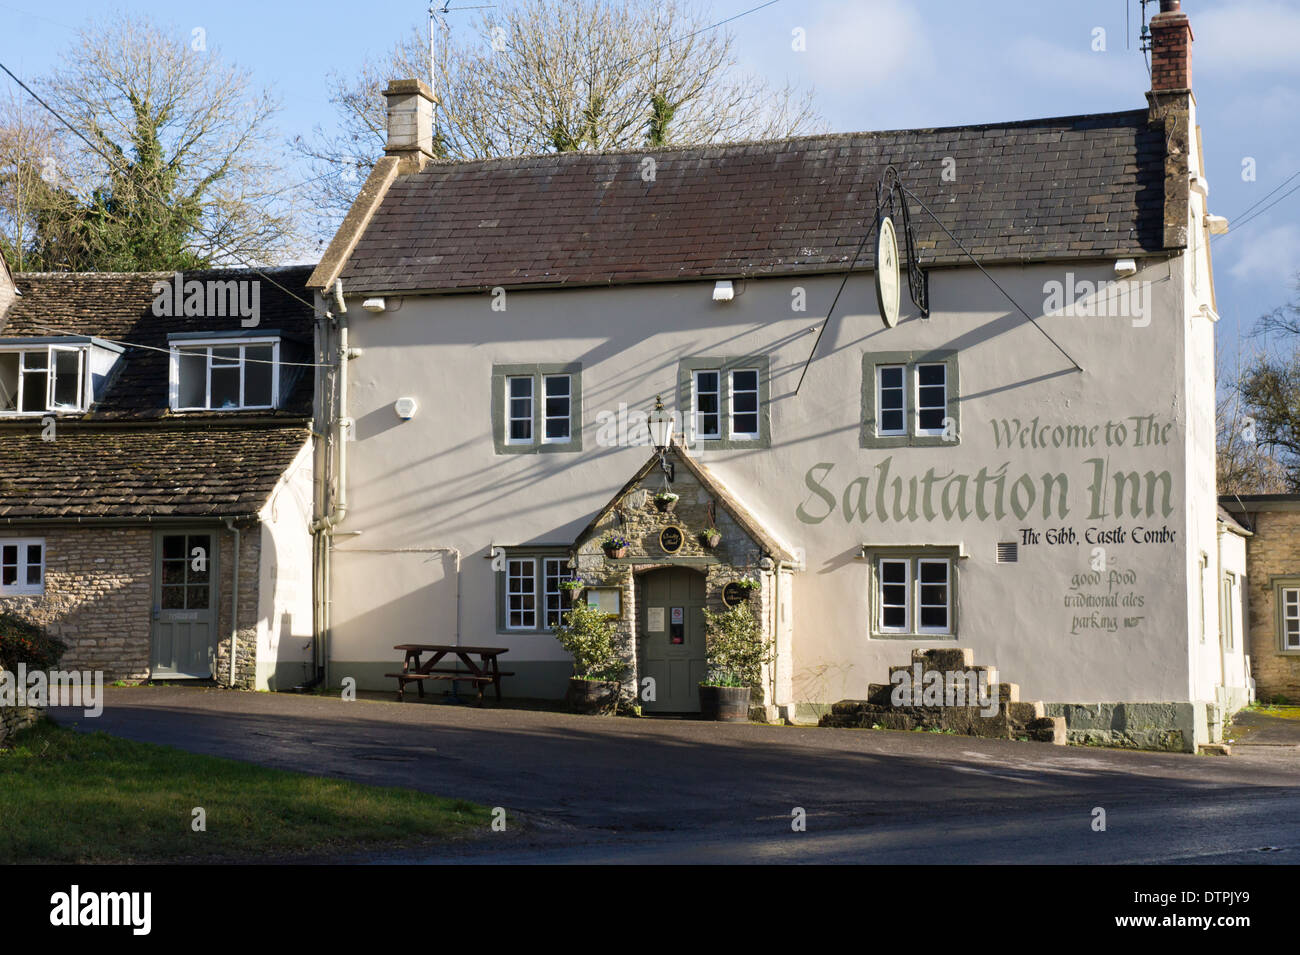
{"x":670,"y":619}
{"x":184,"y":605}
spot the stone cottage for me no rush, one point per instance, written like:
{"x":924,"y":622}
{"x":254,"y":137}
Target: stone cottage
{"x":156,"y":471}
{"x":1272,"y":598}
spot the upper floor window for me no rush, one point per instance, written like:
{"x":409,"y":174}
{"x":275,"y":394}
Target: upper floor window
{"x":725,"y":401}
{"x":225,"y":374}
{"x":536,"y":407}
{"x":909,"y":399}
{"x":22,"y":566}
{"x":45,"y":378}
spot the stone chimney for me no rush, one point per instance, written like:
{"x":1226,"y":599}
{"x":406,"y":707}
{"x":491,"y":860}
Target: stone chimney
{"x":1170,"y":105}
{"x":410,"y":123}
{"x":1171,"y":48}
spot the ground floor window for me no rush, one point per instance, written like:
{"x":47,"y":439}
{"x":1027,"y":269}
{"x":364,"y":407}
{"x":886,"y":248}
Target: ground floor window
{"x":1290,"y":617}
{"x":531,"y":596}
{"x":22,"y":566}
{"x":912,"y":593}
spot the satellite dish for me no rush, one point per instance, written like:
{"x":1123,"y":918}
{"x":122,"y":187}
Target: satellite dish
{"x":887,"y":277}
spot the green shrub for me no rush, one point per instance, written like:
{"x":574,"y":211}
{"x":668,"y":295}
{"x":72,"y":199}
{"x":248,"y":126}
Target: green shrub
{"x":22,"y":641}
{"x":735,"y":647}
{"x":589,"y":636}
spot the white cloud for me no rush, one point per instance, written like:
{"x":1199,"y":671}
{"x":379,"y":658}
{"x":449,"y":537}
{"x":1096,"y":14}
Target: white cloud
{"x":877,"y":44}
{"x":1269,"y":255}
{"x":1076,"y":67}
{"x":1263,"y":35}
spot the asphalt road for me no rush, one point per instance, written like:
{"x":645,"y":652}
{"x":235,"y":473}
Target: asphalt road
{"x":593,"y":789}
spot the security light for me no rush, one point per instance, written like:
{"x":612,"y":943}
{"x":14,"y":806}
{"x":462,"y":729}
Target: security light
{"x":374,"y":305}
{"x":723,"y":291}
{"x":1125,"y":267}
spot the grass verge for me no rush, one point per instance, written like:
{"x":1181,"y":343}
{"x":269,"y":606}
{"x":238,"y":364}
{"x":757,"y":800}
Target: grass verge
{"x":90,"y":797}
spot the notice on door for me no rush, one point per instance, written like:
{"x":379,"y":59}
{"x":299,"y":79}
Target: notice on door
{"x":654,"y":619}
{"x":679,"y":615}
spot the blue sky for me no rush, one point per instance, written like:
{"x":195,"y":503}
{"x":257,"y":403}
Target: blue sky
{"x":876,"y":64}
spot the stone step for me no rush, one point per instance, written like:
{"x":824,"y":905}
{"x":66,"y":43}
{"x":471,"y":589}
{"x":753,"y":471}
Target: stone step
{"x":1024,"y":713}
{"x":954,"y":658}
{"x":1047,"y":729}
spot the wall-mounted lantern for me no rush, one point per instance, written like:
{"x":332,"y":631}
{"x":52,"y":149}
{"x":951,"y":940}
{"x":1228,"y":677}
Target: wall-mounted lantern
{"x":660,"y":424}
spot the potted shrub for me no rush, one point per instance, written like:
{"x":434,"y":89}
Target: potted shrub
{"x":589,"y":636}
{"x":736,"y":651}
{"x":614,"y":545}
{"x":665,"y":501}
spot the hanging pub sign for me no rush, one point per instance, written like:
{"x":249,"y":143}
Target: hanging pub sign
{"x":891,"y":203}
{"x":887,"y":278}
{"x":671,"y":539}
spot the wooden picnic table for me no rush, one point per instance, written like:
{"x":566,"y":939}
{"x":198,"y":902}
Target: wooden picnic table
{"x":487,"y":670}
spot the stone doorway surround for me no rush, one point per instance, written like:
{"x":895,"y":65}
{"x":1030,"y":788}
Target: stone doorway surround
{"x":747,"y":549}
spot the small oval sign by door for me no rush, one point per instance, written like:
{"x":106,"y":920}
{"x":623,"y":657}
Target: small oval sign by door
{"x":734,"y":594}
{"x":887,"y":278}
{"x":670,"y":539}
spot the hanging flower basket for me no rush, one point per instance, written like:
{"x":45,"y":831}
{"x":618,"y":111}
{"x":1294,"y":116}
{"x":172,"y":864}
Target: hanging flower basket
{"x":665,"y":501}
{"x":614,"y":545}
{"x":710,"y":538}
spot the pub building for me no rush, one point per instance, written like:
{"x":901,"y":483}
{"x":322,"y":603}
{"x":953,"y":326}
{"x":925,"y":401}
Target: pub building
{"x":931,"y":389}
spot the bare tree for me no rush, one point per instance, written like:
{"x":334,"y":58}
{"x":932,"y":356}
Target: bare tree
{"x":168,"y":124}
{"x":29,"y":169}
{"x":1244,"y":459}
{"x":560,"y":75}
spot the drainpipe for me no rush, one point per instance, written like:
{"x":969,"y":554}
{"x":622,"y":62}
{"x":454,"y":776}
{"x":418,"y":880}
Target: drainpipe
{"x":776,"y":624}
{"x":234,"y":601}
{"x":322,"y":528}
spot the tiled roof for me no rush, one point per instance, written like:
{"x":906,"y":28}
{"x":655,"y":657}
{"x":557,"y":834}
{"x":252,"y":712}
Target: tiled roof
{"x":156,"y":471}
{"x":118,"y":306}
{"x":1078,"y":187}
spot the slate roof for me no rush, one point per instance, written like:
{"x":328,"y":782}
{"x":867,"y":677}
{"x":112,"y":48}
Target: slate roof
{"x":130,"y":457}
{"x":1076,"y":187}
{"x":119,"y":307}
{"x":157,"y":471}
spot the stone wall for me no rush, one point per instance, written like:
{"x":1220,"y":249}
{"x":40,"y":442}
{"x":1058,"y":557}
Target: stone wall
{"x":98,"y":598}
{"x":1274,"y":550}
{"x":637,"y":518}
{"x":250,"y":554}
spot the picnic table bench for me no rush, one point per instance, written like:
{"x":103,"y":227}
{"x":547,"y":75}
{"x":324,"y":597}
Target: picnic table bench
{"x":486,"y":671}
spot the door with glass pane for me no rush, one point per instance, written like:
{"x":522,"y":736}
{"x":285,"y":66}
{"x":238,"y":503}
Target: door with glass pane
{"x":184,"y":605}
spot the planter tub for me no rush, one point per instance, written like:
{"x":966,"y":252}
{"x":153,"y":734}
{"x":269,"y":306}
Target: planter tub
{"x":615,"y":552}
{"x":725,"y":704}
{"x":592,"y":696}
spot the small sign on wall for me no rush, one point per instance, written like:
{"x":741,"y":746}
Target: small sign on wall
{"x":606,"y":599}
{"x":654,"y":619}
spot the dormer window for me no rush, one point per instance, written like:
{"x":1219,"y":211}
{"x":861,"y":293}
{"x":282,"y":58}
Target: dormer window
{"x":224,"y":374}
{"x":39,"y":379}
